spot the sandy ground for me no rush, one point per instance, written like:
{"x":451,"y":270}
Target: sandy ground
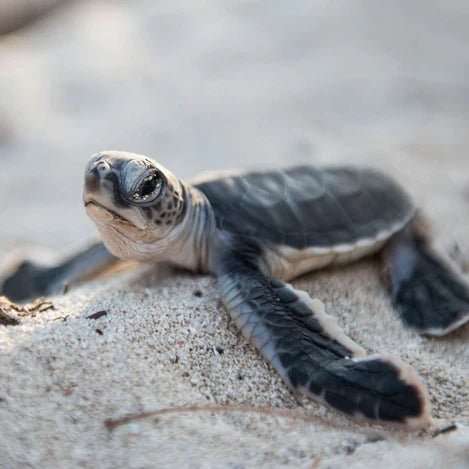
{"x":203,"y":86}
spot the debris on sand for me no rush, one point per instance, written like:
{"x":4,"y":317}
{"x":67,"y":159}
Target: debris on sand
{"x":11,"y":313}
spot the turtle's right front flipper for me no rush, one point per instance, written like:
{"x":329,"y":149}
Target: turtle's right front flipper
{"x":32,"y":280}
{"x":313,"y":355}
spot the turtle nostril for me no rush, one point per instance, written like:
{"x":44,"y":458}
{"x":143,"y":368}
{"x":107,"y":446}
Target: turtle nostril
{"x":102,"y":167}
{"x":95,"y":173}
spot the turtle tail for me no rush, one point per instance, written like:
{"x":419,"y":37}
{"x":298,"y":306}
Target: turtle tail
{"x":431,"y":297}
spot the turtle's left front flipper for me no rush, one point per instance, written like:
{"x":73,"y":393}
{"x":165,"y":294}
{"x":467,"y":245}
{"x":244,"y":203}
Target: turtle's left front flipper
{"x":313,"y":355}
{"x":31,"y":280}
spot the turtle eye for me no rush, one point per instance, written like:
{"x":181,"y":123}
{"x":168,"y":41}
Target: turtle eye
{"x":149,"y":188}
{"x":141,"y":182}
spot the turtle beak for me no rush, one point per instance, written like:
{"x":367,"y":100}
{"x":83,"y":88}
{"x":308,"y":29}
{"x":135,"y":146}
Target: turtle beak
{"x":101,"y":193}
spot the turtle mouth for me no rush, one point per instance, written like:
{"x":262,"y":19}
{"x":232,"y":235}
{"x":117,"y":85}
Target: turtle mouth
{"x":114,"y":214}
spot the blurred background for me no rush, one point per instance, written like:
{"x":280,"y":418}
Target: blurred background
{"x":205,"y":85}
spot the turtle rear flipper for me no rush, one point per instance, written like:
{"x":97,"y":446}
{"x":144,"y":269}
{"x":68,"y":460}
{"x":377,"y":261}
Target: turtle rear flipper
{"x":313,"y":355}
{"x":430,"y":296}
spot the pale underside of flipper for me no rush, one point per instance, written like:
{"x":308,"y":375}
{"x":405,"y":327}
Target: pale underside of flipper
{"x":313,"y":354}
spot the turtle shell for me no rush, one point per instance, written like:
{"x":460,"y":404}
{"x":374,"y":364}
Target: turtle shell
{"x":306,"y":206}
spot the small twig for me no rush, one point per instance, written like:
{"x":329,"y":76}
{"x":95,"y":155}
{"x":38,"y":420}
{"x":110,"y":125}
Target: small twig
{"x":10,"y":313}
{"x":45,"y":307}
{"x":39,"y":305}
{"x":273,"y":412}
{"x":112,"y":423}
{"x":447,"y":429}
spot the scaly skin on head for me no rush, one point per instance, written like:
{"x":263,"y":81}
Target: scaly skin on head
{"x":144,"y":213}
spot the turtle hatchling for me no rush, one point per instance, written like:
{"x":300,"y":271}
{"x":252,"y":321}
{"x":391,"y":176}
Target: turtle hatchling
{"x":257,"y":230}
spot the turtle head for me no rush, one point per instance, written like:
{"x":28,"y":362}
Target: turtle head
{"x":134,"y":201}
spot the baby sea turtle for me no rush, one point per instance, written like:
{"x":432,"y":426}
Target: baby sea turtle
{"x":257,"y":230}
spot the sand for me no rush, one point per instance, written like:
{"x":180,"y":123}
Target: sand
{"x":203,"y":87}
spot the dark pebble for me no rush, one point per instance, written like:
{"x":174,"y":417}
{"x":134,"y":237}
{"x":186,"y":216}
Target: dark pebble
{"x":97,"y":315}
